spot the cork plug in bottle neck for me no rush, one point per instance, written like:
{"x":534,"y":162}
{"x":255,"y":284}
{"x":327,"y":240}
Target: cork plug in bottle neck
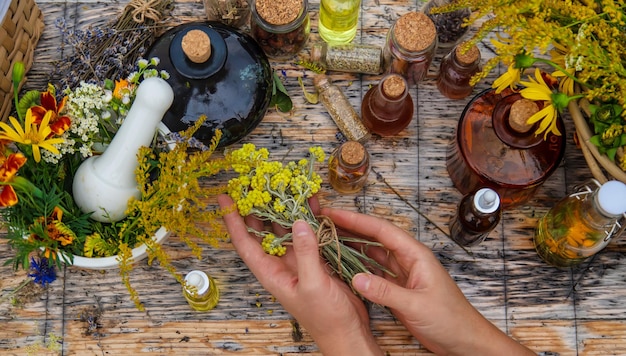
{"x":521,"y":111}
{"x":196,"y":45}
{"x":352,"y":153}
{"x":393,"y":86}
{"x":321,"y":82}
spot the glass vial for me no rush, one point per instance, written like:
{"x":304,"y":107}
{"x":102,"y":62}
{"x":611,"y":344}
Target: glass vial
{"x":338,"y":20}
{"x":348,"y":167}
{"x":340,"y":109}
{"x":477,"y":214}
{"x":281,"y":27}
{"x":580,"y":225}
{"x":456,"y":70}
{"x":410,"y":46}
{"x":349,"y":57}
{"x":387,"y":108}
{"x":234,"y":13}
{"x":206,"y":294}
{"x":494,"y":147}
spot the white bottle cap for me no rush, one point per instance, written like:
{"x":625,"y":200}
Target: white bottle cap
{"x":198,"y":279}
{"x":486,"y":200}
{"x":612,"y":198}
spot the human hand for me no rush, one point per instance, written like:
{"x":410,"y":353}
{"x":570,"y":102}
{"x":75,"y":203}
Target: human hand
{"x":325,"y":306}
{"x":422,"y":295}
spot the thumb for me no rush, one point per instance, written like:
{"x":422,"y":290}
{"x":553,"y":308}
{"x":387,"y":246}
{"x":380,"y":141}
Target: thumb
{"x":381,"y":291}
{"x":306,"y":248}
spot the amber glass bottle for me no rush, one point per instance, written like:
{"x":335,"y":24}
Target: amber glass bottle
{"x":580,"y":225}
{"x":494,"y":148}
{"x":348,"y":167}
{"x":387,"y":108}
{"x":456,"y":70}
{"x":478,"y":213}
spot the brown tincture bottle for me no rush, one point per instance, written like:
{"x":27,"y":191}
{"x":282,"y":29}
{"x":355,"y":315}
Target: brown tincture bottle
{"x":387,"y":108}
{"x":477,"y":214}
{"x":495,"y":148}
{"x":456,"y":70}
{"x":348,"y":167}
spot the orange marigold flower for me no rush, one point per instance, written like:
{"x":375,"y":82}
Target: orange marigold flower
{"x":58,"y":123}
{"x":122,"y":88}
{"x":8,"y":168}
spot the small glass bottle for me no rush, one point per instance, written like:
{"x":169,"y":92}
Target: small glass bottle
{"x":234,"y":13}
{"x":581,"y":224}
{"x":387,"y":108}
{"x":338,"y":20}
{"x":494,"y":147}
{"x":410,"y":46}
{"x":340,"y":109}
{"x":353,"y":58}
{"x":280,"y":27}
{"x":348,"y":167}
{"x":206,"y":294}
{"x":456,"y":70}
{"x":477,"y":215}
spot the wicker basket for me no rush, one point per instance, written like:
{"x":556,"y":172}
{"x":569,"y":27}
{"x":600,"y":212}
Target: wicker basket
{"x":599,"y":164}
{"x":19,"y":33}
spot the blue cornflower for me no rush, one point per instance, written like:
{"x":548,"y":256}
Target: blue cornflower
{"x":42,"y":272}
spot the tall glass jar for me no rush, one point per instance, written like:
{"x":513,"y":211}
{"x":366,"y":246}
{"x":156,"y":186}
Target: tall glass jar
{"x":234,"y":13}
{"x":456,"y":70}
{"x":387,"y":108}
{"x":281,"y":27}
{"x":338,"y":20}
{"x":493,"y":147}
{"x":410,"y":46}
{"x":581,"y":224}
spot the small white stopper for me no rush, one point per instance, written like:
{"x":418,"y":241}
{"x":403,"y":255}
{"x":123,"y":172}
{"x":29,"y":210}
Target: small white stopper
{"x":486,"y":200}
{"x":198,"y":279}
{"x":612,"y":198}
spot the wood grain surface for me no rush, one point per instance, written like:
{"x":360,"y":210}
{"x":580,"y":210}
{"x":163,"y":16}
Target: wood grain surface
{"x":577,"y":311}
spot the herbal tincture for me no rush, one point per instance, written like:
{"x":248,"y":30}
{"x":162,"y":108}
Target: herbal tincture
{"x":206,"y":294}
{"x":387,"y":108}
{"x":281,"y":27}
{"x":477,"y":215}
{"x":340,"y":109}
{"x":338,"y":20}
{"x":353,"y":58}
{"x":456,"y":70}
{"x":411,"y":45}
{"x":348,"y":167}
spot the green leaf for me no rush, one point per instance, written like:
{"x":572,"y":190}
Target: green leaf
{"x":280,"y":97}
{"x":611,"y":153}
{"x":312,"y":98}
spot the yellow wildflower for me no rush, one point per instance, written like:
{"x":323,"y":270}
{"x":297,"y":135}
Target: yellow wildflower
{"x":508,"y":79}
{"x":538,"y":90}
{"x":32,"y":135}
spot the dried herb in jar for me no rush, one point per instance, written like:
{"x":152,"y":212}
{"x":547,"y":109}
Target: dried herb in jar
{"x":235,"y":13}
{"x":280,"y":27}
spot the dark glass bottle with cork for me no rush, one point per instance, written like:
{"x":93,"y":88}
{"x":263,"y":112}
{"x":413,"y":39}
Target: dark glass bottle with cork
{"x":410,"y":46}
{"x":456,"y":70}
{"x":348,"y":167}
{"x":495,"y":147}
{"x":477,"y":215}
{"x":387,"y":108}
{"x":281,"y":27}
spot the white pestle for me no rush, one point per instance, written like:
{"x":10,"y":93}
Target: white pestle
{"x":104,"y":184}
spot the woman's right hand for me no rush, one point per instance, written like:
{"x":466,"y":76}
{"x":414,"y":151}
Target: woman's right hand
{"x":422,"y":295}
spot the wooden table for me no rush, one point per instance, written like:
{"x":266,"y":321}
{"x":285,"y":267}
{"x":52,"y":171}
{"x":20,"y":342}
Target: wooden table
{"x":565,"y":312}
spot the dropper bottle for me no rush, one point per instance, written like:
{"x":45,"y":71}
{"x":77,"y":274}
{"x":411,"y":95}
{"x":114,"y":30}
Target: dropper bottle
{"x":205,"y":296}
{"x":478,"y":213}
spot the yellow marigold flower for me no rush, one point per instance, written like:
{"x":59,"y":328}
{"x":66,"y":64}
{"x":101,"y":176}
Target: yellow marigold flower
{"x":33,"y":135}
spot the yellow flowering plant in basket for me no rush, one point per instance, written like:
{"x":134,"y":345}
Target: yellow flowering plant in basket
{"x":573,"y":53}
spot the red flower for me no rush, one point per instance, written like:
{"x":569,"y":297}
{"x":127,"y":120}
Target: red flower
{"x":8,"y":168}
{"x":59,"y":124}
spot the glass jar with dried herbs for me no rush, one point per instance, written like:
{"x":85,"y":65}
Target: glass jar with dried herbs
{"x":234,"y":13}
{"x":281,"y":27}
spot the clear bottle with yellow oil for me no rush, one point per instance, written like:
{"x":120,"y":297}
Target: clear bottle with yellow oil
{"x":200,"y":291}
{"x":338,"y":20}
{"x":581,"y":224}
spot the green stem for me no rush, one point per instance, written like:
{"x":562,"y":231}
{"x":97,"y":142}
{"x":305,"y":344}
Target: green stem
{"x":562,"y":70}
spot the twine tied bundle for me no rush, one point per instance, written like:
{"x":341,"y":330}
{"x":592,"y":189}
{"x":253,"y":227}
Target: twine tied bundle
{"x":142,"y":9}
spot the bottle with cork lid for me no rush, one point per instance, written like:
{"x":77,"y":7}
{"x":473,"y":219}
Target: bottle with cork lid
{"x":478,"y":213}
{"x":348,"y":167}
{"x":348,"y":57}
{"x":495,"y":146}
{"x":410,"y":46}
{"x":200,"y":291}
{"x":457,"y":69}
{"x":581,"y":224}
{"x":387,"y":108}
{"x":281,"y":27}
{"x":340,"y":109}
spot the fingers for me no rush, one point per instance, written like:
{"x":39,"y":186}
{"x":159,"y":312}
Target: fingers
{"x":248,"y":248}
{"x":305,"y":246}
{"x":381,"y":291}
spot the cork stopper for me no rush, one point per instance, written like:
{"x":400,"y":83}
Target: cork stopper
{"x":196,"y":45}
{"x":414,"y":31}
{"x":352,"y":153}
{"x":394,"y":86}
{"x":469,"y":57}
{"x":279,"y":12}
{"x":521,"y":111}
{"x":320,"y":81}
